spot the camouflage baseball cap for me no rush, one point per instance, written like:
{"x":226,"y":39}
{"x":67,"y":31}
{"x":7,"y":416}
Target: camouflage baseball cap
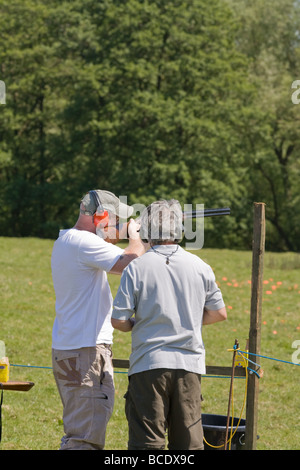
{"x":109,"y":202}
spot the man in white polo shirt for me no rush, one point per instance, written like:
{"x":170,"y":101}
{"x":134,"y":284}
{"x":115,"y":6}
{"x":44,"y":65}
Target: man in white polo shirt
{"x":164,"y":298}
{"x":82,"y":331}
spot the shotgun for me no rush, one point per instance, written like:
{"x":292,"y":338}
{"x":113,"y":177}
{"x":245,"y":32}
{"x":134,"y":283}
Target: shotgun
{"x":194,"y":214}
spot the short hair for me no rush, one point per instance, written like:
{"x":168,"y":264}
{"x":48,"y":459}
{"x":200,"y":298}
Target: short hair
{"x":162,"y":221}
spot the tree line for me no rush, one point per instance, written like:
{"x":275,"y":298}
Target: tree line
{"x":151,"y":99}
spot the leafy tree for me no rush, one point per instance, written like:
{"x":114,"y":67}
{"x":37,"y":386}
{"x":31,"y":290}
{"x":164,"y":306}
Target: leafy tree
{"x":270,"y":38}
{"x":28,"y":123}
{"x":147,"y":99}
{"x":174,"y":95}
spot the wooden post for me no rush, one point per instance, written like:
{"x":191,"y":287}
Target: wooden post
{"x":255,"y":323}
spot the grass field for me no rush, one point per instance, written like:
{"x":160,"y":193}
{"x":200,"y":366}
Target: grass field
{"x":33,"y":420}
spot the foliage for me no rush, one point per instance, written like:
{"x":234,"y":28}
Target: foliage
{"x":137,"y":97}
{"x":186,"y":99}
{"x":270,"y":39}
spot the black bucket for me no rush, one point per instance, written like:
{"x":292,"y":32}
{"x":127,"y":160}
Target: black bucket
{"x":214,"y":429}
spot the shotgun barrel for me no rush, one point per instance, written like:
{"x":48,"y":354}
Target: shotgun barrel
{"x":206,"y":213}
{"x":194,"y":214}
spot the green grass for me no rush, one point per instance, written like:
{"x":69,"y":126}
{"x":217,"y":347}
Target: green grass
{"x":33,"y":420}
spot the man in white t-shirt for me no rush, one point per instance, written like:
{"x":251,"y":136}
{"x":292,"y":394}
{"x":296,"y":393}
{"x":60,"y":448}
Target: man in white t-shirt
{"x":164,"y":298}
{"x":82,"y":331}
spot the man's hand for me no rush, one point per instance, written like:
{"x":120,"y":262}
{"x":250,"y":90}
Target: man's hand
{"x":133,"y":230}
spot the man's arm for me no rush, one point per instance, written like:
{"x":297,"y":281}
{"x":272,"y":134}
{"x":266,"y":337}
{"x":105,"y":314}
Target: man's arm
{"x":122,"y":325}
{"x":214,"y":316}
{"x":134,"y":249}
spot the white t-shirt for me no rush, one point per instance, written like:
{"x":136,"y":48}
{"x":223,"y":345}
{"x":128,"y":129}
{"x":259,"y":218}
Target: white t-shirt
{"x":167,"y":301}
{"x":83,"y":306}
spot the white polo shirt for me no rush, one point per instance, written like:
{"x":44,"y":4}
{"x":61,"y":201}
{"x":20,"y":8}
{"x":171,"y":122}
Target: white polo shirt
{"x":83,"y":306}
{"x":167,"y":301}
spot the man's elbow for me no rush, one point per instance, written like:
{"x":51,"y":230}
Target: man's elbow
{"x":115,"y":323}
{"x":122,"y":325}
{"x":122,"y":262}
{"x":222,"y":314}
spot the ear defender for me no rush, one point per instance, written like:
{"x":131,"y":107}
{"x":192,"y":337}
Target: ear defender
{"x":101,"y":219}
{"x":101,"y":215}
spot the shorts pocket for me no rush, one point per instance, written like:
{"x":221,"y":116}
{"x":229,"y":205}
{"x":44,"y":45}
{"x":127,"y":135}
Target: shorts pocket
{"x":66,"y":368}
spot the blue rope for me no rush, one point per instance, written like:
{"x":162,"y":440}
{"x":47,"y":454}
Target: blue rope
{"x":271,"y":358}
{"x":209,"y":376}
{"x":125,"y":372}
{"x":33,"y":367}
{"x":42,"y":367}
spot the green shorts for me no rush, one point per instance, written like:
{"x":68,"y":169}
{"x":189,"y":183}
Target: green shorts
{"x":161,"y":401}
